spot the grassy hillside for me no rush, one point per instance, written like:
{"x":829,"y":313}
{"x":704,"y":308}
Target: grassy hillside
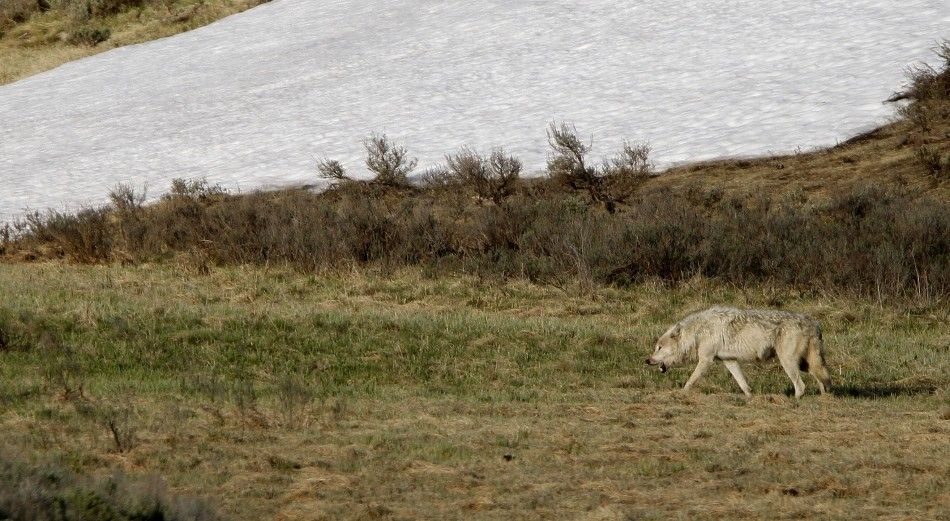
{"x":37,"y":35}
{"x":890,"y":155}
{"x":282,"y":395}
{"x":868,"y":218}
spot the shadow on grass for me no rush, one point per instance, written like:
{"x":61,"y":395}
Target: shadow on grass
{"x":874,"y":391}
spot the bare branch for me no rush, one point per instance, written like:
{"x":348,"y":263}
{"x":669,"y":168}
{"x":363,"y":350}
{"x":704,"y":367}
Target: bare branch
{"x":390,"y":162}
{"x":332,"y":170}
{"x":493,"y":178}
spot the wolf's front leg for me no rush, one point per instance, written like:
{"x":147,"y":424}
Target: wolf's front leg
{"x":733,"y":367}
{"x":701,"y":367}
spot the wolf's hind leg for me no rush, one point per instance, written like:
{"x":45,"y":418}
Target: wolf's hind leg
{"x":791,"y":369}
{"x":820,"y":372}
{"x":816,"y":365}
{"x":733,"y":368}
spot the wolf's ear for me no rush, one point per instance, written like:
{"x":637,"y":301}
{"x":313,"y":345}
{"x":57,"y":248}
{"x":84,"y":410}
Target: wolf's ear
{"x":675,"y":332}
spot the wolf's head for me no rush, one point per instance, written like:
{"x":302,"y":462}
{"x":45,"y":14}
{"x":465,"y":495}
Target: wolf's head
{"x":668,"y":350}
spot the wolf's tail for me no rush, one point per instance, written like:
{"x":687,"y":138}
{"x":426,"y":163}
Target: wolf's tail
{"x":815,"y":359}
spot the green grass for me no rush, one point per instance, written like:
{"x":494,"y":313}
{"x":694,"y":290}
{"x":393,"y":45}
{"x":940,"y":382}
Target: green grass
{"x":347,"y":395}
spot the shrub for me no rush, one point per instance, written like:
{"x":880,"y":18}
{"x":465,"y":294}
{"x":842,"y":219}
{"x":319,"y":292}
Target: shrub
{"x":17,"y":332}
{"x":84,"y":236}
{"x":493,"y":178}
{"x":613,"y":183}
{"x":89,"y":35}
{"x":84,"y":10}
{"x":929,"y":83}
{"x":438,"y":178}
{"x":934,"y":161}
{"x":195,"y":189}
{"x":389,"y":162}
{"x":293,"y":396}
{"x":44,"y":492}
{"x":332,"y":170}
{"x":872,"y":240}
{"x":108,"y":7}
{"x":13,"y":12}
{"x":568,"y":164}
{"x":121,"y":423}
{"x":928,"y":91}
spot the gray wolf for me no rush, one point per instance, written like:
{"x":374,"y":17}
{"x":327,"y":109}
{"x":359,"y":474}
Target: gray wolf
{"x":733,"y":335}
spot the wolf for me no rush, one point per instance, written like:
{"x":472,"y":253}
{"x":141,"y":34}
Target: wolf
{"x":731,"y":334}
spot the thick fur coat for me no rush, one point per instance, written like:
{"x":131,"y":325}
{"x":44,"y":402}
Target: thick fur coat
{"x":732,"y":335}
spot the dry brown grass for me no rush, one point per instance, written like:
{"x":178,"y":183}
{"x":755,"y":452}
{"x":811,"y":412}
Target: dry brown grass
{"x":617,"y":454}
{"x":42,"y":42}
{"x":455,"y":398}
{"x":886,"y":155}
